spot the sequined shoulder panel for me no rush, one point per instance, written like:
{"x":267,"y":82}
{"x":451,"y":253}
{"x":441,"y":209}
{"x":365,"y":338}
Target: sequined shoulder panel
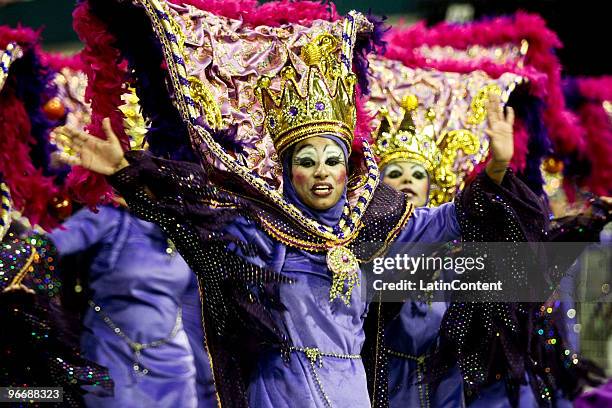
{"x":386,"y":217}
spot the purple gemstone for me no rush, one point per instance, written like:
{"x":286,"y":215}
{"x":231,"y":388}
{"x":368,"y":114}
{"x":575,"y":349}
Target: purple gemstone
{"x":272,"y":122}
{"x":319,"y":106}
{"x":293,"y":111}
{"x":403,"y":138}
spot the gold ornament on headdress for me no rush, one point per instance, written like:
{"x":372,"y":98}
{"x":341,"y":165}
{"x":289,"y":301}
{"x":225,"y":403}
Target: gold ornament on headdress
{"x":11,"y":53}
{"x":5,"y":209}
{"x":401,"y":140}
{"x":323,"y":103}
{"x":134,"y":122}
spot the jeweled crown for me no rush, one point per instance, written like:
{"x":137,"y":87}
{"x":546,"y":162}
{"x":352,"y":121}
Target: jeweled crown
{"x":401,"y":141}
{"x":321,"y":101}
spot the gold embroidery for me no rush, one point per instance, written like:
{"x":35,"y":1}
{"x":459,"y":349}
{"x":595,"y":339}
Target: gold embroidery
{"x":204,"y":97}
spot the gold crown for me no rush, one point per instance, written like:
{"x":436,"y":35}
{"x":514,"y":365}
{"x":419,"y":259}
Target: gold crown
{"x":403,"y":141}
{"x":325,"y":103}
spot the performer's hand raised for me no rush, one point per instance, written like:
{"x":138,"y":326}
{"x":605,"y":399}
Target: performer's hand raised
{"x":101,"y":156}
{"x":501,"y":134}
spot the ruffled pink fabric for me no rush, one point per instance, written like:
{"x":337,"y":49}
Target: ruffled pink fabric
{"x":273,"y":14}
{"x":540,"y":65}
{"x":32,"y":192}
{"x":26,"y":37}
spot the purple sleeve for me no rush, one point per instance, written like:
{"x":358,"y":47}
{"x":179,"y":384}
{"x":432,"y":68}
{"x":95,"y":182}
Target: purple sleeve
{"x":84,"y":229}
{"x":432,"y":225}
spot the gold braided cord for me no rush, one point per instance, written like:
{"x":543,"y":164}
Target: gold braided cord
{"x":11,"y":53}
{"x":298,"y":243}
{"x":27,"y":267}
{"x":5,"y":210}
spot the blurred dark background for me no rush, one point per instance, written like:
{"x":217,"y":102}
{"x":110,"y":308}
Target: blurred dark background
{"x":582,"y":26}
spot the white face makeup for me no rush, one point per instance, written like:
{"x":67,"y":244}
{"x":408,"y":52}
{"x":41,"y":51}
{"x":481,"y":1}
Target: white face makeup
{"x":410,"y":178}
{"x":318,"y":172}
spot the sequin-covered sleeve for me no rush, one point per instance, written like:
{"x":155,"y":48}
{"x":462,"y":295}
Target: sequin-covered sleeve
{"x":176,"y":196}
{"x":38,"y":346}
{"x":172,"y":194}
{"x":493,"y":340}
{"x":150,"y":182}
{"x":578,"y":228}
{"x":506,"y":212}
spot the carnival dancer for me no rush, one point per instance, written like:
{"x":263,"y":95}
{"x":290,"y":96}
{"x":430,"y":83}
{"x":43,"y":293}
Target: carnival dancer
{"x":137,"y":284}
{"x":408,"y":160}
{"x":427,"y":142}
{"x":142,"y":316}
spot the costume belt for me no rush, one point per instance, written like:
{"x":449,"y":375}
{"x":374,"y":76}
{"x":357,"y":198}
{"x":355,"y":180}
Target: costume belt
{"x":135,"y":346}
{"x":420,"y":360}
{"x":314,"y":356}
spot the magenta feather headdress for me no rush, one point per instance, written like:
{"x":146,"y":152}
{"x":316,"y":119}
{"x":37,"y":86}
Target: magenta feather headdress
{"x":23,"y":128}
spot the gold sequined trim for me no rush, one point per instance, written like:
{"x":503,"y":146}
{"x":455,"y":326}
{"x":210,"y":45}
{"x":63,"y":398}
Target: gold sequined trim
{"x":299,"y":133}
{"x":295,"y":242}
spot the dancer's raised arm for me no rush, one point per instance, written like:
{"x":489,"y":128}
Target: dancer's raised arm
{"x":502,"y":138}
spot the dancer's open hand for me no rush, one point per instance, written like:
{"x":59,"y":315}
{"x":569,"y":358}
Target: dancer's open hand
{"x":501,"y":134}
{"x":98,"y":155}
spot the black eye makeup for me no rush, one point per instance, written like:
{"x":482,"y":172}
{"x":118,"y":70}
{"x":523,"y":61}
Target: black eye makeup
{"x":334,"y":160}
{"x":419,"y":175}
{"x":393,"y":174}
{"x":303,"y":162}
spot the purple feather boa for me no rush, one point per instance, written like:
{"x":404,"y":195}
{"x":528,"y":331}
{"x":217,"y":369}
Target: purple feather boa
{"x":372,"y":42}
{"x":34,"y":86}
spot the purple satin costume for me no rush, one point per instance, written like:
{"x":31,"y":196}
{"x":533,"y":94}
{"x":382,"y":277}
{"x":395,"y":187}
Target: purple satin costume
{"x":311,"y":320}
{"x":141,"y":288}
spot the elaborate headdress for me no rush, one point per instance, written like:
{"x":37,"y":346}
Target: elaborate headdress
{"x":397,"y":141}
{"x":324,"y":104}
{"x":7,"y":56}
{"x":25,"y":85}
{"x":434,"y":118}
{"x":520,"y":44}
{"x":214,"y":79}
{"x":591,"y":99}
